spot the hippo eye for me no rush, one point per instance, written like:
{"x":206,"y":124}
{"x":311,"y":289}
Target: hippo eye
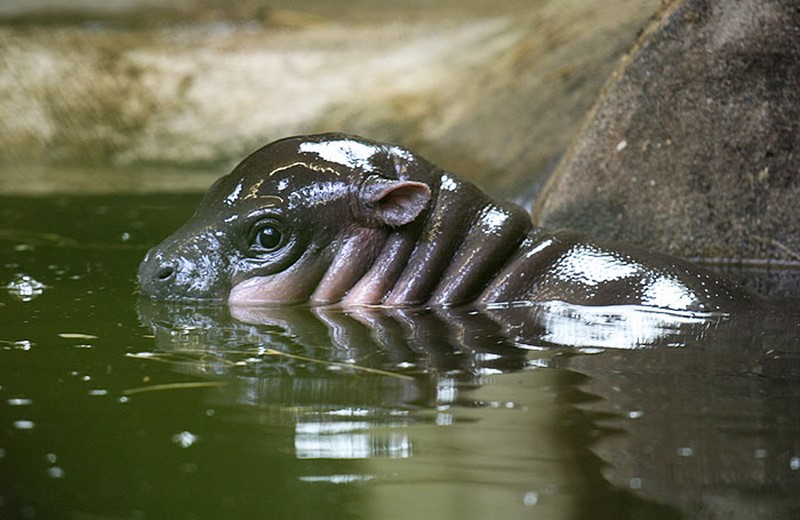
{"x":266,"y":237}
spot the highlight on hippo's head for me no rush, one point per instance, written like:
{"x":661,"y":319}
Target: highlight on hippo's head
{"x":290,"y":223}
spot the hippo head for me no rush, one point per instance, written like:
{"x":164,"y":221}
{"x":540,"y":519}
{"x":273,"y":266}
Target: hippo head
{"x":295,"y":221}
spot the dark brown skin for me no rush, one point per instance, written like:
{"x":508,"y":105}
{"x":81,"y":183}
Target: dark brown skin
{"x":336,"y":219}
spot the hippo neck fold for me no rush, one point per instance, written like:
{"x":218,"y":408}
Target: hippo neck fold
{"x":447,"y":256}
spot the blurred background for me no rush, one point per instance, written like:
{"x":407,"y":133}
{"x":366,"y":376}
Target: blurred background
{"x":151,"y":96}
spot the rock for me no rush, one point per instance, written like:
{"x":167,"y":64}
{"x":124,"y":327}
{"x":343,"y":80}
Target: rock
{"x":694,"y":147}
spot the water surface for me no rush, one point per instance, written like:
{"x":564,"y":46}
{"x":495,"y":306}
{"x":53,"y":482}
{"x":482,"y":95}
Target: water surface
{"x":111,"y":407}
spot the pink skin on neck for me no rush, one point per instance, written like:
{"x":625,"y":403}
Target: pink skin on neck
{"x":317,"y":278}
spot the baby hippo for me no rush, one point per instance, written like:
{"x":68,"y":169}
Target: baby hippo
{"x":337,"y":219}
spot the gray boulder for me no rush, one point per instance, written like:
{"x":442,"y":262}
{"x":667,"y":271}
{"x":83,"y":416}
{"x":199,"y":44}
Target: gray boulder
{"x":694,"y":147}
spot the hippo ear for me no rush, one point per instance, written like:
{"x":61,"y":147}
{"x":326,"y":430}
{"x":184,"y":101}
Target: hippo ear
{"x":393,"y":203}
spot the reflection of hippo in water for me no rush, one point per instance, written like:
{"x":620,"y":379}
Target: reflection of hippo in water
{"x":338,"y":219}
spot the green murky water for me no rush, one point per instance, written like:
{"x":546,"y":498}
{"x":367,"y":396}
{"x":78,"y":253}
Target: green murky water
{"x":115,"y":408}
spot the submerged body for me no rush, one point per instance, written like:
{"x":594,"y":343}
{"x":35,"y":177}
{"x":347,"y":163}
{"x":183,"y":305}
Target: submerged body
{"x":337,"y":219}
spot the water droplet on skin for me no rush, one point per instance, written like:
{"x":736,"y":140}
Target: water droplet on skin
{"x":24,"y":425}
{"x":19,"y":402}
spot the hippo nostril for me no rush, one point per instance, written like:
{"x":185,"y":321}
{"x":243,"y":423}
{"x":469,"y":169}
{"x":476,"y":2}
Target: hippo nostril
{"x":165,"y":272}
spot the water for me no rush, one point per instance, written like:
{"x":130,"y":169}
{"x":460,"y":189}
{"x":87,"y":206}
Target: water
{"x":115,"y":408}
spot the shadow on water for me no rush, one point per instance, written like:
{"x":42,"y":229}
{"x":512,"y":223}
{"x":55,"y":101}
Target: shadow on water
{"x":112,"y":407}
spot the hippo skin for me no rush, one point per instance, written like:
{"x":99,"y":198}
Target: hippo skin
{"x":337,"y":219}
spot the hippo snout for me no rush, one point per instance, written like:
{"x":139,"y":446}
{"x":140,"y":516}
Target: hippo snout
{"x":156,"y":274}
{"x":175,"y":273}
